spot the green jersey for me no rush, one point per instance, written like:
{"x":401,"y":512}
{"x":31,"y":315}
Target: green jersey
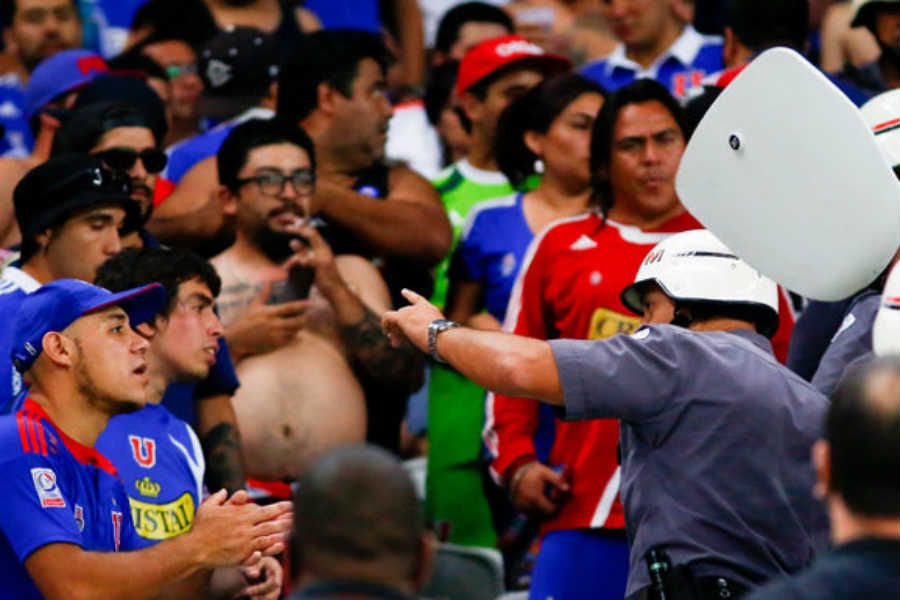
{"x":461,"y":187}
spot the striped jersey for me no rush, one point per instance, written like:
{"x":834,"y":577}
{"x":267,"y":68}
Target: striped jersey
{"x":55,"y":490}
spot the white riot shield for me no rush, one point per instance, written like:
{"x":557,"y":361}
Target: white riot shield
{"x":785,"y":172}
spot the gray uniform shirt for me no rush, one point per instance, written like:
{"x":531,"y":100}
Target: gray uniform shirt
{"x":852,"y":340}
{"x":716,"y":439}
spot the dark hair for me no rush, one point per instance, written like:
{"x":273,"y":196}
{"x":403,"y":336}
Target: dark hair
{"x":186,"y":20}
{"x":439,"y":89}
{"x":535,"y":111}
{"x":863,"y":431}
{"x":232,"y":155}
{"x":133,"y":62}
{"x":85,"y":126}
{"x":638,"y":92}
{"x":338,"y":536}
{"x":330,"y":56}
{"x":8,"y":12}
{"x":134,"y":267}
{"x":762,"y":24}
{"x":468,"y":12}
{"x":764,"y":319}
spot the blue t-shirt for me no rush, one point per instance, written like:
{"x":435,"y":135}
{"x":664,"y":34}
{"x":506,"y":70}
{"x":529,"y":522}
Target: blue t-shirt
{"x":55,"y":490}
{"x":106,"y":24}
{"x":491,"y":249}
{"x":17,"y":140}
{"x":161,"y":465}
{"x":185,"y":154}
{"x":347,"y":14}
{"x":688,"y":60}
{"x":14,"y":286}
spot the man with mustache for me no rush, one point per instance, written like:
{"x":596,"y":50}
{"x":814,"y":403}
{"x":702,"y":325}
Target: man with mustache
{"x":38,"y":29}
{"x":68,"y":532}
{"x":654,"y":43}
{"x":300,"y":346}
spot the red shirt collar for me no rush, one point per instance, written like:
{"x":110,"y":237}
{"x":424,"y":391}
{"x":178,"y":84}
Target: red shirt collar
{"x":83,"y":454}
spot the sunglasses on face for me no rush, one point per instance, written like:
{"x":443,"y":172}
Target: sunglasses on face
{"x":123,"y":159}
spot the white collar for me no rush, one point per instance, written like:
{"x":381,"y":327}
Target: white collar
{"x":20,"y":278}
{"x":255,"y":112}
{"x":481,"y":176}
{"x":684,"y":49}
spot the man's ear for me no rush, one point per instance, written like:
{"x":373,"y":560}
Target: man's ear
{"x":729,"y":47}
{"x":428,"y":545}
{"x":43,"y":238}
{"x":58,"y":348}
{"x":821,"y":456}
{"x":326,"y":99}
{"x":227,"y":201}
{"x":9,"y":41}
{"x":146,"y":330}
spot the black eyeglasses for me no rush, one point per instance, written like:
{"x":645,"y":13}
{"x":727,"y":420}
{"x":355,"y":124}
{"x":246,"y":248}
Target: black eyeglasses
{"x":122,"y":159}
{"x":272,"y":184}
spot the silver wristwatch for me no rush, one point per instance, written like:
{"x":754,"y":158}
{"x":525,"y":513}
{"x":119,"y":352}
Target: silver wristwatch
{"x":435,"y":328}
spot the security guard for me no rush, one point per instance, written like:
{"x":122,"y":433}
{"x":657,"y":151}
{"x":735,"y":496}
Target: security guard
{"x":716,"y":434}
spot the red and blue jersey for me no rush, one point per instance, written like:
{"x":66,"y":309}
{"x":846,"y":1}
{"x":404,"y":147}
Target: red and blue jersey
{"x":684,"y":65}
{"x":161,"y":464}
{"x":55,"y":490}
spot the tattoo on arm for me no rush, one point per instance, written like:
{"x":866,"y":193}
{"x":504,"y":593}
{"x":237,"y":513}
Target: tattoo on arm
{"x":222,"y":451}
{"x":371,"y":349}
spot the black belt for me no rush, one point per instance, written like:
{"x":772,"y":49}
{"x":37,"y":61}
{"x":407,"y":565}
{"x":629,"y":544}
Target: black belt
{"x":682,"y":585}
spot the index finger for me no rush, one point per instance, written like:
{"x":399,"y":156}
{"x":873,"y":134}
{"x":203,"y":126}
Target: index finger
{"x":292,"y":308}
{"x":412,"y":296}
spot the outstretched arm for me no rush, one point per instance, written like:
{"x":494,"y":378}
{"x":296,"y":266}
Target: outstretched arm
{"x":504,"y":363}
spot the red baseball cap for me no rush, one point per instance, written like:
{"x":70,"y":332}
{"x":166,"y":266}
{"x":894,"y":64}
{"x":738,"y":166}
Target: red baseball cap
{"x":491,"y":55}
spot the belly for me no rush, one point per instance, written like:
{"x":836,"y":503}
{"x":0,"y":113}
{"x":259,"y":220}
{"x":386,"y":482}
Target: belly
{"x":295,"y":403}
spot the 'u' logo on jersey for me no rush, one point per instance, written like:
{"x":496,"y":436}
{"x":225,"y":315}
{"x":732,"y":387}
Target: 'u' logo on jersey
{"x":143,"y":450}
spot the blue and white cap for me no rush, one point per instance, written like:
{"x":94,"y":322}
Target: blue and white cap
{"x":58,"y":304}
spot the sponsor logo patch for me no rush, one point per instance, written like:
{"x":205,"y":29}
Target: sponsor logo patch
{"x":47,"y":490}
{"x":79,"y":517}
{"x":607,"y":323}
{"x":143,"y":450}
{"x":163,"y":521}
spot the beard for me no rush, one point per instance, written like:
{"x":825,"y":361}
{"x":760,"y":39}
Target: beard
{"x":276,"y":245}
{"x":99,"y":400}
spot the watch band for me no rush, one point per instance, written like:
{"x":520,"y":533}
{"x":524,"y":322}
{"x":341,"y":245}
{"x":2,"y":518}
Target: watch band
{"x":435,"y":328}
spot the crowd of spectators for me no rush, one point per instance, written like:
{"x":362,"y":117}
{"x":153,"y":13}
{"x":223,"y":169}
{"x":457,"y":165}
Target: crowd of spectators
{"x":214,"y":215}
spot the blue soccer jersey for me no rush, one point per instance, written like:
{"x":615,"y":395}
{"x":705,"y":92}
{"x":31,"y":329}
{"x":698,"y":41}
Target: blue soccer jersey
{"x":491,"y":249}
{"x":55,"y":490}
{"x":684,"y":65}
{"x":161,"y":464}
{"x":14,"y":286}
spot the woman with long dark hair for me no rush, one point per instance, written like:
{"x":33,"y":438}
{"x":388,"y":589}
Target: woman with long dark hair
{"x":546,"y":133}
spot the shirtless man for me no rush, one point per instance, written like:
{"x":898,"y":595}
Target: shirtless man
{"x":299,"y":395}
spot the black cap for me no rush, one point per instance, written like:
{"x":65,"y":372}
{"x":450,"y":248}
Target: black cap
{"x":128,"y":90}
{"x":52,"y":191}
{"x":237,"y":67}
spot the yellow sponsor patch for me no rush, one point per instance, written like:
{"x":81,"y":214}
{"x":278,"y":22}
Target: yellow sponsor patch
{"x":607,"y":323}
{"x":163,"y":521}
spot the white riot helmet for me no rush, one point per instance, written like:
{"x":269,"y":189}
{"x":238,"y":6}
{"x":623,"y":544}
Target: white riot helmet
{"x":882,"y":115}
{"x":886,"y":330}
{"x":695,"y":267}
